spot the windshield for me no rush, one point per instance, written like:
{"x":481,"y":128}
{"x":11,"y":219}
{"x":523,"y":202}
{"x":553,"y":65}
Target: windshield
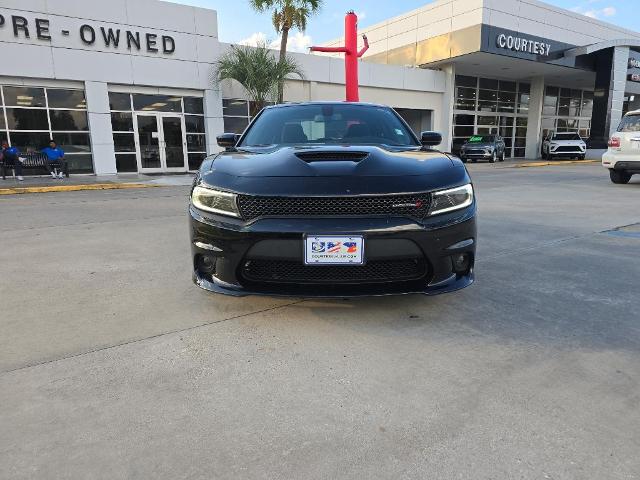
{"x":630,"y":123}
{"x":328,"y":125}
{"x":566,"y":136}
{"x":482,"y":139}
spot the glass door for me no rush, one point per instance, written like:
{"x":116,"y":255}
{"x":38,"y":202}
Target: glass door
{"x":161,"y":142}
{"x":149,"y":144}
{"x":173,"y":143}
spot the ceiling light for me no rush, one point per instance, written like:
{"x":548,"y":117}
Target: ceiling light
{"x":23,"y":97}
{"x":158,"y":105}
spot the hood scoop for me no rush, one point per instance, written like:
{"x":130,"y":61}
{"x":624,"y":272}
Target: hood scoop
{"x":328,"y":156}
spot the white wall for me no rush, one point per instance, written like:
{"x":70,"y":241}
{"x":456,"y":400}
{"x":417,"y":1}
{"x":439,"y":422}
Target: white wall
{"x":68,"y":58}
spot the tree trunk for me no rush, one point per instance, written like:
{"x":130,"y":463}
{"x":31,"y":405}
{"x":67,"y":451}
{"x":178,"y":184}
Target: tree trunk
{"x":283,"y":54}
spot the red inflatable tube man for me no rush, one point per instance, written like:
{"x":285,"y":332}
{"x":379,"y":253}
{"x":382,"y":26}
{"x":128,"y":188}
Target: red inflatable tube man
{"x":351,"y":54}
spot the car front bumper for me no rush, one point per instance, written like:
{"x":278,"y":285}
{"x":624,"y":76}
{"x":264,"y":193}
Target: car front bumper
{"x":232,"y":245}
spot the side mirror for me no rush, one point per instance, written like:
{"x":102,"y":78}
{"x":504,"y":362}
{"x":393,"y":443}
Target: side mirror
{"x":227,"y":140}
{"x":430,"y":139}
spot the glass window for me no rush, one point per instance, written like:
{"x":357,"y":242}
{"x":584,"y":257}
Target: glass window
{"x":234,"y":107}
{"x":466,"y":93}
{"x":59,"y":98}
{"x":27,"y":119}
{"x":235,"y":124}
{"x":330,"y":124}
{"x":69,"y":120}
{"x":193,"y":105}
{"x":126,"y":163}
{"x":122,"y":122}
{"x":524,"y":88}
{"x":124,"y":142}
{"x":507,"y":86}
{"x":3,"y":124}
{"x":464,"y":81}
{"x":30,"y":141}
{"x":157,"y":103}
{"x":521,"y":132}
{"x":194,"y":124}
{"x":463,"y":119}
{"x":120,"y":101}
{"x":489,"y":83}
{"x":73,"y":142}
{"x":24,"y":97}
{"x":80,"y":163}
{"x":506,"y":121}
{"x":196,"y":143}
{"x":463,"y":131}
{"x":462,"y":104}
{"x":195,"y":160}
{"x":487,"y":120}
{"x":522,"y":121}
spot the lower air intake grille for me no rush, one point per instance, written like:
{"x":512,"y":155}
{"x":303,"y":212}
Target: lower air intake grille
{"x":286,"y":271}
{"x":413,"y":206}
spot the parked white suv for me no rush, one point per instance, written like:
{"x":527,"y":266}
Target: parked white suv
{"x":623,"y":157}
{"x":563,"y":144}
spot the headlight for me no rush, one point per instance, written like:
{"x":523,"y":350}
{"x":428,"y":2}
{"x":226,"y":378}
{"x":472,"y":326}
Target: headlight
{"x":215,"y":201}
{"x":452,"y":199}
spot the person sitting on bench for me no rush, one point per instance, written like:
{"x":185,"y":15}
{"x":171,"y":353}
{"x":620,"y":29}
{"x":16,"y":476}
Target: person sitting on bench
{"x":55,"y":155}
{"x":11,"y":157}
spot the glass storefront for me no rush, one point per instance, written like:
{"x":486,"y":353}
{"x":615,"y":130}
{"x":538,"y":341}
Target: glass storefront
{"x":567,"y":110}
{"x":237,"y":114}
{"x":157,"y":132}
{"x":485,"y":106}
{"x":31,"y":116}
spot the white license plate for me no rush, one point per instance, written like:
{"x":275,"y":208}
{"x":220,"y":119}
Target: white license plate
{"x":331,"y":250}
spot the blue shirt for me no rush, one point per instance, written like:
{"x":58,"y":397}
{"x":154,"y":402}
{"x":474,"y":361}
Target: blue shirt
{"x":11,"y":152}
{"x":53,"y":154}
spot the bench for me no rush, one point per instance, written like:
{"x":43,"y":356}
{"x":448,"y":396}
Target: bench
{"x":34,"y":161}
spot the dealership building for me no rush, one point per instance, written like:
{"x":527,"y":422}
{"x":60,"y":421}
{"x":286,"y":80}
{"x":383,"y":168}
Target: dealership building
{"x":128,"y":86}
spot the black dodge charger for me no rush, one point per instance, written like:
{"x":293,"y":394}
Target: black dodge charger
{"x":332,"y":200}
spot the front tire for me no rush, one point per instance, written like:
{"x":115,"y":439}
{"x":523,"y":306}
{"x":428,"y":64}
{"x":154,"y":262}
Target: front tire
{"x":502,"y":157}
{"x":619,"y":177}
{"x":493,"y":158}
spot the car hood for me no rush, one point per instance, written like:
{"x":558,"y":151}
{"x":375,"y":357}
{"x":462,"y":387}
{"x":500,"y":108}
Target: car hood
{"x":478,"y":145}
{"x":570,"y":143}
{"x":282,"y":171}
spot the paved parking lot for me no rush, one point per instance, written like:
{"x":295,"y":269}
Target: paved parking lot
{"x":113,"y":365}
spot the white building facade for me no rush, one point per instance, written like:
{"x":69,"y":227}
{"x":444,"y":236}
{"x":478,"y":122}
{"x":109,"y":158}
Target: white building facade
{"x":128,"y":86}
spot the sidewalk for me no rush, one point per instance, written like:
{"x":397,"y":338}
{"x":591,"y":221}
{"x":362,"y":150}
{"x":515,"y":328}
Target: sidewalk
{"x":43,"y":184}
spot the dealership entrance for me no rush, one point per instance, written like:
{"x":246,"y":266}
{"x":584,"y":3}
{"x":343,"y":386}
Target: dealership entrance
{"x":162,"y":143}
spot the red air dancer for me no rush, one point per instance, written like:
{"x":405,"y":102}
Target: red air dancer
{"x":351,"y":54}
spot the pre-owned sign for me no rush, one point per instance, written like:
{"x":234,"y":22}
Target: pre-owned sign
{"x":634,"y":77}
{"x":634,"y":63}
{"x":111,"y":37}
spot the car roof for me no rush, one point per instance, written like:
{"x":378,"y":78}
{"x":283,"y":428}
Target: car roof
{"x":294,"y":104}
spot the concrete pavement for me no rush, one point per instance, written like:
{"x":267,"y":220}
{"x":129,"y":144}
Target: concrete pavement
{"x":115,"y":366}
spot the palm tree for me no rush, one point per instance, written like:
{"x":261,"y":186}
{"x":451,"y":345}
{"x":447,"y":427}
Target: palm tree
{"x":258,"y":71}
{"x":287,"y":14}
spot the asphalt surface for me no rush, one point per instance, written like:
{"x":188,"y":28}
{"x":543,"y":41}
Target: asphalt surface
{"x":113,"y":365}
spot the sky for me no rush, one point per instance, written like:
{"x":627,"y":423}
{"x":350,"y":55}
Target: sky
{"x":238,"y":23}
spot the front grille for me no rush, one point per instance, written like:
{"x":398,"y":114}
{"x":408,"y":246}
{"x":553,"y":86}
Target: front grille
{"x":287,"y":271}
{"x":323,"y":156}
{"x":474,"y":152}
{"x":567,"y":149}
{"x":413,"y":206}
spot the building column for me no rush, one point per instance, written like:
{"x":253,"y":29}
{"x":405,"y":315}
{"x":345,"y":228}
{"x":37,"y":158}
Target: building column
{"x":99,"y":114}
{"x":213,"y":121}
{"x":534,"y":120}
{"x":611,"y":80}
{"x":445,"y":122}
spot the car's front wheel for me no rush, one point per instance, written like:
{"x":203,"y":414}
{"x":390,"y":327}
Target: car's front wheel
{"x":494,"y":157}
{"x":619,"y":177}
{"x":502,"y":156}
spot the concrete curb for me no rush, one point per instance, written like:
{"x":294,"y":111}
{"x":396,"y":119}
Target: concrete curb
{"x":76,"y":188}
{"x":547,"y":164}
